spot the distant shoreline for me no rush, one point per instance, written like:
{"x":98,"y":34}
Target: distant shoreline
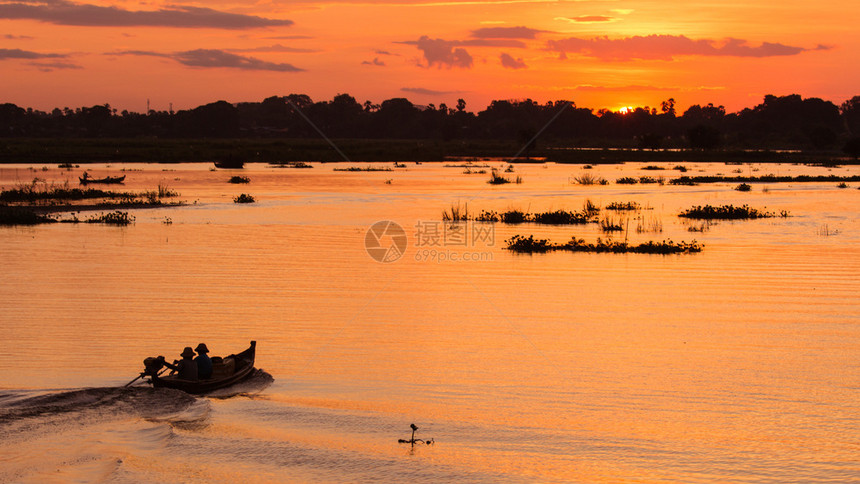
{"x":267,"y":150}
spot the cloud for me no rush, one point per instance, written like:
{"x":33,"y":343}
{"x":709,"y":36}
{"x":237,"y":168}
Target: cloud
{"x":511,"y":63}
{"x":374,"y":62}
{"x":629,"y":88}
{"x":505,"y":33}
{"x":62,"y":12}
{"x":17,"y":37}
{"x":428,"y":92}
{"x":667,"y":47}
{"x":587,"y":19}
{"x":26,"y":54}
{"x":442,"y":52}
{"x":275,"y":48}
{"x":384,"y":52}
{"x":51,"y":66}
{"x":213,"y":58}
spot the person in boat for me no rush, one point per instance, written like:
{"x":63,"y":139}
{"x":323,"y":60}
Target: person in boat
{"x":86,"y":175}
{"x":187,"y":367}
{"x":204,"y":363}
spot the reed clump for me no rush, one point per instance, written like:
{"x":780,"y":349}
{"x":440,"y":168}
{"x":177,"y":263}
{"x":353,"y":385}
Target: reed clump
{"x":728,"y":212}
{"x":497,"y":179}
{"x":743,"y":187}
{"x":244,"y":198}
{"x":457,"y":214}
{"x":626,"y":180}
{"x":690,"y":180}
{"x":239,"y":179}
{"x":589,"y":179}
{"x":556,"y":217}
{"x":366,"y":168}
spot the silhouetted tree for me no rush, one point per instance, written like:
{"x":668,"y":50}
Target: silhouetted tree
{"x":850,"y":111}
{"x":703,"y":137}
{"x":852,"y":147}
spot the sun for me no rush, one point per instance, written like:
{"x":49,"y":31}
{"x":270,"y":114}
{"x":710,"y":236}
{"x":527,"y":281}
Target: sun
{"x":625,"y":109}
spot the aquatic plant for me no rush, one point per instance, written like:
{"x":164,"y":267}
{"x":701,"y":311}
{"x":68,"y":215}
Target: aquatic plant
{"x":561,"y":217}
{"x":589,"y":179}
{"x":456,"y":214}
{"x":22,"y":216}
{"x":112,"y":218}
{"x":622,"y":206}
{"x":645,"y":180}
{"x":239,"y":179}
{"x":743,"y":187}
{"x":842,"y":185}
{"x":653,"y":167}
{"x":529,"y":245}
{"x":727,"y":212}
{"x":627,"y":180}
{"x":244,"y":198}
{"x":496,"y":179}
{"x":610,"y":223}
{"x":590,"y":208}
{"x":688,"y":180}
{"x":368,"y":168}
{"x":649,"y":224}
{"x":681,"y":168}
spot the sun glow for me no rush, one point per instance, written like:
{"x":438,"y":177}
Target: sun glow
{"x":625,"y":109}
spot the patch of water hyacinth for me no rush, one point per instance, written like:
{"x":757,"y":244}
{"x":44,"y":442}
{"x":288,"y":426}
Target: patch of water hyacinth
{"x":728,"y":212}
{"x":531,"y":245}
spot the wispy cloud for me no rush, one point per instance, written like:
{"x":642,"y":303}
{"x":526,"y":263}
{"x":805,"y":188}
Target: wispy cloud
{"x":214,"y":58}
{"x":587,"y":19}
{"x":668,"y":47}
{"x":511,"y":63}
{"x":428,"y":92}
{"x":506,"y":33}
{"x":17,"y":37}
{"x":27,"y":54}
{"x":62,"y":12}
{"x":52,"y":66}
{"x":374,"y":62}
{"x":275,"y":48}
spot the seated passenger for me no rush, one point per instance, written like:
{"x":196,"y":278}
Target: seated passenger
{"x":186,"y":367}
{"x":204,"y":363}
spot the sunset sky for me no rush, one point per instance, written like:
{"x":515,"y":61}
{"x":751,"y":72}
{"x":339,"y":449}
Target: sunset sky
{"x":597,"y":53}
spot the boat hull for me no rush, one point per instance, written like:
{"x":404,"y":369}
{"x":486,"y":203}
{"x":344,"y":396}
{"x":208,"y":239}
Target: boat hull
{"x":244,"y":368}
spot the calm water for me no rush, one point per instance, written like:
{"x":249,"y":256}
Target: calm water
{"x":738,"y":364}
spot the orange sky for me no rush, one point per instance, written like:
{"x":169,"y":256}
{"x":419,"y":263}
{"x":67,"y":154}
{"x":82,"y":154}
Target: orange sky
{"x":601,"y":53}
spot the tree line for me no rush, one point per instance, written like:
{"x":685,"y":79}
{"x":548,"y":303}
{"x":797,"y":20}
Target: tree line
{"x":790,"y":122}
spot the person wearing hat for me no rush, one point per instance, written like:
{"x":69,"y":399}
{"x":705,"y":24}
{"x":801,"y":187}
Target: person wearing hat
{"x":186,"y":367}
{"x":204,"y":363}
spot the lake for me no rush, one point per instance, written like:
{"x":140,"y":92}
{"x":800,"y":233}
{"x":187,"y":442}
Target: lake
{"x":737,"y":364}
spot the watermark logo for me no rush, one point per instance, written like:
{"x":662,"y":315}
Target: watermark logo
{"x":385,"y":241}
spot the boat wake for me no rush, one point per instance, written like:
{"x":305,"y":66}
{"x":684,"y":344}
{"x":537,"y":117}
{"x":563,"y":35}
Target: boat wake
{"x":256,"y":383}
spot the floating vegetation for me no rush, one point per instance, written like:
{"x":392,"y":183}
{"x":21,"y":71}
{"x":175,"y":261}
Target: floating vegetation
{"x":651,"y":180}
{"x":681,"y":168}
{"x":111,"y":218}
{"x":690,"y":180}
{"x":388,"y":182}
{"x":743,"y":187}
{"x":509,"y":169}
{"x":653,"y":167}
{"x":22,"y":216}
{"x":587,"y":167}
{"x":291,"y":164}
{"x":367,"y":168}
{"x":496,"y":179}
{"x":701,"y":227}
{"x":469,"y":171}
{"x":588,"y":179}
{"x":557,"y":217}
{"x":842,"y":185}
{"x":530,"y":245}
{"x":41,"y":191}
{"x":399,"y":165}
{"x":244,"y":198}
{"x":824,"y":231}
{"x":622,"y":206}
{"x":727,"y":212}
{"x":239,"y":179}
{"x":560,"y":217}
{"x":627,"y":180}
